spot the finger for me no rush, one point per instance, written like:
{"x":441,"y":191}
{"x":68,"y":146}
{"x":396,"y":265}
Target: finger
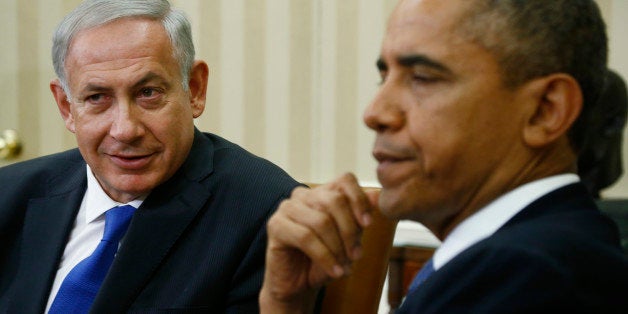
{"x":284,"y":234}
{"x":360,"y":209}
{"x":323,"y":224}
{"x":302,"y":193}
{"x":340,"y":199}
{"x":360,"y":204}
{"x":373,"y":197}
{"x":337,"y":206}
{"x":311,"y":208}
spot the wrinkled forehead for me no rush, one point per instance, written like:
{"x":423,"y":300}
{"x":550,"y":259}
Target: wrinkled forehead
{"x":127,"y":38}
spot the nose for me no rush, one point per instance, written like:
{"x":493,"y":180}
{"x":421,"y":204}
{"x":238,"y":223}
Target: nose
{"x":385,"y":113}
{"x":127,"y":125}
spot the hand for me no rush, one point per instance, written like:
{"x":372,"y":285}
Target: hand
{"x":312,"y":238}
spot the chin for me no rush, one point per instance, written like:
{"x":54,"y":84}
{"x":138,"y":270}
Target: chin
{"x":135,"y":186}
{"x":390,"y":206}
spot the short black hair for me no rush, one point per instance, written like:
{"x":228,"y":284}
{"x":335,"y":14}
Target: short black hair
{"x":535,"y":38}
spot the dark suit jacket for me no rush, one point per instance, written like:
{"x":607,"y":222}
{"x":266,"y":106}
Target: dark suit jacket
{"x":196,"y":244}
{"x":558,"y":255}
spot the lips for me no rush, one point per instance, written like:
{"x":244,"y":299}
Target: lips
{"x":382,"y":156}
{"x":394,"y":165}
{"x":387,"y":160}
{"x":131,"y":162}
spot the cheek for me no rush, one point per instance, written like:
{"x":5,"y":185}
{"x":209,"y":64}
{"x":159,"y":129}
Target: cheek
{"x":433,"y":137}
{"x":172,"y":128}
{"x":445,"y":152}
{"x":90,"y":131}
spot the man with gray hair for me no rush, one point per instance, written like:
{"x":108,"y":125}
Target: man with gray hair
{"x":482,"y":109}
{"x":148,"y":214}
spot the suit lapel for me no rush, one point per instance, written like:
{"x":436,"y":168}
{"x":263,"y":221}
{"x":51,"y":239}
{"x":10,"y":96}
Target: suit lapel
{"x":47,"y":226}
{"x":155,"y":228}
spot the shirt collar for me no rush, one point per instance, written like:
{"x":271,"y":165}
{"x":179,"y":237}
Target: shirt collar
{"x":488,"y":219}
{"x":98,"y":202}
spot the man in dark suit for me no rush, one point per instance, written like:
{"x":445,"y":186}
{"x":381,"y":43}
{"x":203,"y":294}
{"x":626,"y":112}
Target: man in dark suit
{"x":129,"y":88}
{"x":481,"y":112}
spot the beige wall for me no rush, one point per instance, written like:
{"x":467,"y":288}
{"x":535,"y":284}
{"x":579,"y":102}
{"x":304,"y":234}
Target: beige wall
{"x":289,"y":78}
{"x":25,"y":71}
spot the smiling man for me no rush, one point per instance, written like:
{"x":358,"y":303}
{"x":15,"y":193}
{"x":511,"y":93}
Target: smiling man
{"x":181,"y":213}
{"x":478,"y":120}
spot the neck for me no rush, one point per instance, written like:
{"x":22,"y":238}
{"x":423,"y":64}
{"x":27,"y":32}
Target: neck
{"x":538,"y":164}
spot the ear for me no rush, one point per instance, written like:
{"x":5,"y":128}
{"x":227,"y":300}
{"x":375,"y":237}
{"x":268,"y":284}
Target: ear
{"x":198,"y":87}
{"x":556,"y":103}
{"x":63,"y":104}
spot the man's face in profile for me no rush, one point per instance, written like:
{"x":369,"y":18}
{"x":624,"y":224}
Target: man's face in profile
{"x":131,"y":116}
{"x":443,"y":118}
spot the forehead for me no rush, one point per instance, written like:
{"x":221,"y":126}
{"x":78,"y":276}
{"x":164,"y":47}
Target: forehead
{"x":118,"y":42}
{"x":426,"y":25}
{"x":443,"y":11}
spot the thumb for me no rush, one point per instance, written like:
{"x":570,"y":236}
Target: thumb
{"x":373,"y":196}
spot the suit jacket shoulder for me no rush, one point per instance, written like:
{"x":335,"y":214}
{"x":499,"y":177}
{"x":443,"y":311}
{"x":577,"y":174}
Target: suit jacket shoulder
{"x":38,"y":201}
{"x":39,"y":176}
{"x":44,"y":176}
{"x":559,"y":254}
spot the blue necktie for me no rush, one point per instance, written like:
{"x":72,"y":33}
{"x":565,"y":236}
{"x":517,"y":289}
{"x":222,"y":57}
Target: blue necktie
{"x":79,"y":288}
{"x":426,"y":271}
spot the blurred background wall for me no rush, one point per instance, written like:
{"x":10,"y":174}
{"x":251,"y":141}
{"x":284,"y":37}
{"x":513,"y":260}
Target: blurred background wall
{"x":289,"y":78}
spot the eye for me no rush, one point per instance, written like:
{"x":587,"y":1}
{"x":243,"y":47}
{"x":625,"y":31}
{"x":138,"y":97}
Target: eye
{"x":382,"y":68}
{"x":95,"y":98}
{"x":98,"y":99}
{"x":150,"y":96}
{"x":424,"y":79}
{"x":423,"y":75}
{"x":148,"y":92}
{"x":382,"y":76}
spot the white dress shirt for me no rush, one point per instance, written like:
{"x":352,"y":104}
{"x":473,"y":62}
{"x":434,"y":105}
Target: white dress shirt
{"x":88,"y":230}
{"x":487,"y":220}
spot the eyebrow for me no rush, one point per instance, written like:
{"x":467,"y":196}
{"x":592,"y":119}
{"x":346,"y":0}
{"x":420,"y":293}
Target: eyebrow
{"x":409,"y":61}
{"x":91,"y":88}
{"x":150,"y":76}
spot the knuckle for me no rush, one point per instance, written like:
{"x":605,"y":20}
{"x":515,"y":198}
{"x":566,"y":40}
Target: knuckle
{"x":304,"y":237}
{"x":299,"y":191}
{"x":334,"y":197}
{"x":322,"y":222}
{"x":283,"y":204}
{"x":274,"y":223}
{"x":348,"y":177}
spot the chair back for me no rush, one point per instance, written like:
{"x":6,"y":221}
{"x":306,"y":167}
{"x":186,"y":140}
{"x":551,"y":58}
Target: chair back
{"x":617,"y":210}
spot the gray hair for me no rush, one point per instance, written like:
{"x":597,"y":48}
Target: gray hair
{"x":535,"y":38}
{"x":94,"y":13}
